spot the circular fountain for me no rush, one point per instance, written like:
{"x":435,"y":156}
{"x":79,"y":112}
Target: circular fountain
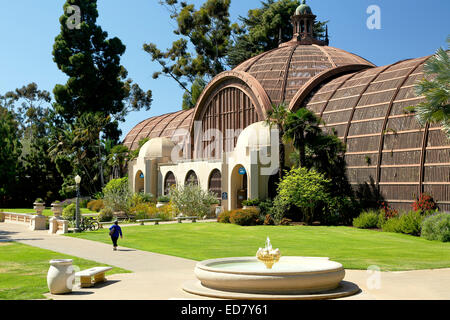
{"x":270,"y":276}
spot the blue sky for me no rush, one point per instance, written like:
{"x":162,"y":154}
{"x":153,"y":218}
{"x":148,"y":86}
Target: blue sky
{"x":409,"y":29}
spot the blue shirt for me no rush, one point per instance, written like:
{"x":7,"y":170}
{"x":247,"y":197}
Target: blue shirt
{"x":117,"y":231}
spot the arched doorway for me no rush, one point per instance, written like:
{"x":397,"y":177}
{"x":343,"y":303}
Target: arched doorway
{"x":169,"y":181}
{"x":191,"y":178}
{"x":139,"y":182}
{"x":215,"y":183}
{"x":239,"y":186}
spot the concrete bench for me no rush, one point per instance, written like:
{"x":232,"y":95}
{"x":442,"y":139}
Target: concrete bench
{"x":142,"y":221}
{"x":180,"y":219}
{"x":86,"y":276}
{"x":101,"y":224}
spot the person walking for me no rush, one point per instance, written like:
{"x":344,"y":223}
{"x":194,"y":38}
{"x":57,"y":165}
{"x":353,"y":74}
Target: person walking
{"x":115,"y":231}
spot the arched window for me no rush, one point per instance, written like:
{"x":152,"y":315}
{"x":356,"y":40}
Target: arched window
{"x":191,"y":178}
{"x":215,"y":183}
{"x":169,"y":181}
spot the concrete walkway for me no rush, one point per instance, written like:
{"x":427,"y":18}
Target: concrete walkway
{"x":160,"y":277}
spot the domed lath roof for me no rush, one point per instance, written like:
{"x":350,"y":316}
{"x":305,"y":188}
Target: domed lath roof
{"x":283,"y":71}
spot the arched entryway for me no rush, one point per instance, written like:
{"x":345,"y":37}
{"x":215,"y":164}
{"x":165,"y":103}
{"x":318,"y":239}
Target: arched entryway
{"x":215,"y":183}
{"x":169,"y":182}
{"x":239,"y":186}
{"x":191,"y":178}
{"x":139,"y":182}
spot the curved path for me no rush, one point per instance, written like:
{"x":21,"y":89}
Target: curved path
{"x":160,"y":277}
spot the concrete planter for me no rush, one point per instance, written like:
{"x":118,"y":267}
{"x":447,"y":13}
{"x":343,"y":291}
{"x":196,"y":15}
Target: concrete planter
{"x":39,"y":207}
{"x":60,"y":276}
{"x":57,"y":209}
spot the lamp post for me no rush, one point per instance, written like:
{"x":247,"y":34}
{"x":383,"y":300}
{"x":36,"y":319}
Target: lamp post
{"x":77,"y":212}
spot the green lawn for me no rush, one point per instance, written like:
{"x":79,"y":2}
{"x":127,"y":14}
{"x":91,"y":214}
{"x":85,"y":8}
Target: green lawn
{"x":47,"y":212}
{"x":23,"y":270}
{"x":354,"y":248}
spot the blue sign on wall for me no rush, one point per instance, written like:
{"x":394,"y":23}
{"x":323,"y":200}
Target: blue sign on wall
{"x":242,"y":171}
{"x":224,"y":196}
{"x":141,"y":176}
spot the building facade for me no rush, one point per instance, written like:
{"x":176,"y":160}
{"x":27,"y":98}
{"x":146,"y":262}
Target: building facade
{"x":224,"y":145}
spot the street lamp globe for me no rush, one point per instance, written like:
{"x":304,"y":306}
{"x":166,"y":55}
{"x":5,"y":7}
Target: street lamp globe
{"x":77,"y":179}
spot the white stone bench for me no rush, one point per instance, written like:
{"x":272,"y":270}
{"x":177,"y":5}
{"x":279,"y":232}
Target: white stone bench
{"x":142,"y":221}
{"x":86,"y":276}
{"x":194,"y":219}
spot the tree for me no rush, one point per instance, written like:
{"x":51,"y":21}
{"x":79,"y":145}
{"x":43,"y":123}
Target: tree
{"x":10,"y":150}
{"x":303,"y":189}
{"x":96,"y":97}
{"x":207,"y":30}
{"x":190,"y":98}
{"x":436,"y":89}
{"x":191,"y":200}
{"x":276,"y":117}
{"x":264,"y":29}
{"x":302,"y":127}
{"x":38,"y":175}
{"x":117,"y":160}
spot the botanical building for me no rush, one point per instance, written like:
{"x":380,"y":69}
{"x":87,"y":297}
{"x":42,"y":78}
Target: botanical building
{"x":224,"y":145}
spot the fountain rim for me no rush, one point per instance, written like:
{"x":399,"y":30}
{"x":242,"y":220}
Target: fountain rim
{"x":207,"y":265}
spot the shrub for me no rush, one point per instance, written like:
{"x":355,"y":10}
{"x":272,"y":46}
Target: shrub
{"x":392,"y":225}
{"x":117,"y":195}
{"x":84,"y":203}
{"x":266,"y":207}
{"x":106,"y":215}
{"x":251,"y":202}
{"x":367,"y":220}
{"x":407,"y":223}
{"x":192,"y":200}
{"x":424,"y":203}
{"x":139,"y":198}
{"x":165,"y":213}
{"x":245,"y":217}
{"x":164,"y":199}
{"x":437,"y":227}
{"x":304,"y":189}
{"x":96,"y":205}
{"x":339,"y":210}
{"x":224,"y":217}
{"x":69,"y":212}
{"x":141,"y":211}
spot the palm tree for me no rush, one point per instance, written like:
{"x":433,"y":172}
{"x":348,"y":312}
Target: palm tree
{"x":277,"y":118}
{"x":436,"y":89}
{"x":302,"y":127}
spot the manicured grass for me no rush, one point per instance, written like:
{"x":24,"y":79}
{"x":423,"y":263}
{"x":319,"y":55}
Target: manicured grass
{"x":47,"y":212}
{"x":23,"y":270}
{"x":354,"y":248}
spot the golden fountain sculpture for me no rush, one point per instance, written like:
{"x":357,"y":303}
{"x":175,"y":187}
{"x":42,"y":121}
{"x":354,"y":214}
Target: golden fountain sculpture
{"x":268,"y":256}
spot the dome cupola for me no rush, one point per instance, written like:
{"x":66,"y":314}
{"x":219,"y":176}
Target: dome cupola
{"x":303,"y":22}
{"x":303,"y":9}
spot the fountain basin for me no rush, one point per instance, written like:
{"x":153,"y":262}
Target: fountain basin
{"x":290,"y":276}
